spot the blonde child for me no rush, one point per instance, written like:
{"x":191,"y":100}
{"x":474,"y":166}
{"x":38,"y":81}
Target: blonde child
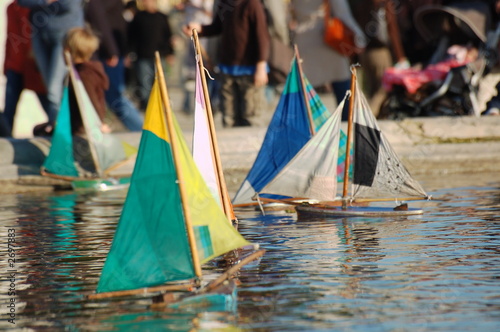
{"x":82,"y":43}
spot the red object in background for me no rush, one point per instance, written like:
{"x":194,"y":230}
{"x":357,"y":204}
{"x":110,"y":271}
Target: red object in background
{"x":18,"y":52}
{"x":412,"y":79}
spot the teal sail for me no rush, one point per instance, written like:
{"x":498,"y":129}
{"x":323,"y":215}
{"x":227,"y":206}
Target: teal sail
{"x":60,"y":159}
{"x":89,"y":155}
{"x":318,"y":110}
{"x":150,"y":246}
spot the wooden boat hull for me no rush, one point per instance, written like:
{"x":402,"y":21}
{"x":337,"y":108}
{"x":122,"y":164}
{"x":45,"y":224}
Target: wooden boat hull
{"x":361,"y":211}
{"x":100,"y":184}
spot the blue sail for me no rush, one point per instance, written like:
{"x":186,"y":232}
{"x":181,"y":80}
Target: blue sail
{"x":287,"y":133}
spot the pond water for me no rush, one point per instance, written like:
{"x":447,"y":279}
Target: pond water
{"x":439,"y":271}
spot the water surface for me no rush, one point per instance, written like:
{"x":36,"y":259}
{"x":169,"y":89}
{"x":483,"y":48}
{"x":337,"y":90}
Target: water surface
{"x":439,"y":271}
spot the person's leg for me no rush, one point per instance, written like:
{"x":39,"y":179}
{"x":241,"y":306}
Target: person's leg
{"x":240,"y":103}
{"x":56,"y":73}
{"x":188,"y":72}
{"x":251,"y":100}
{"x":374,"y":62}
{"x":228,"y":100}
{"x":44,"y":101}
{"x":4,"y":127}
{"x":339,"y":90}
{"x":41,"y":44}
{"x":145,"y":78}
{"x":117,"y":101}
{"x":13,"y":90}
{"x":41,"y":53}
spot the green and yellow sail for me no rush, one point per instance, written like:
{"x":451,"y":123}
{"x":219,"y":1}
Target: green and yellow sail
{"x":151,"y":246}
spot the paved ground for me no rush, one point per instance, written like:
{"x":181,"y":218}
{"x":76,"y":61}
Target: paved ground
{"x":427,"y":146}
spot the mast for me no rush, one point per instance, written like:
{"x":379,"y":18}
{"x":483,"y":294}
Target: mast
{"x":304,"y":91}
{"x":85,"y":120}
{"x":221,"y":182}
{"x":349,"y":136}
{"x":175,"y":150}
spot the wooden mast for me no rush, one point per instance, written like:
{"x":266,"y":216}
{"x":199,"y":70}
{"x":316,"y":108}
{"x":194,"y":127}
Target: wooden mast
{"x":85,"y":121}
{"x":304,"y":89}
{"x":221,"y":182}
{"x":175,"y":152}
{"x":349,"y":136}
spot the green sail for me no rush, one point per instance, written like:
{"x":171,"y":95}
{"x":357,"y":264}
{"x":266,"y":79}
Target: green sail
{"x":60,"y":159}
{"x":150,"y":246}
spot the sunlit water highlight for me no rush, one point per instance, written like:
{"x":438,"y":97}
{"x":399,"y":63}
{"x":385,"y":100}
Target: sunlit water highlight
{"x":439,"y":271}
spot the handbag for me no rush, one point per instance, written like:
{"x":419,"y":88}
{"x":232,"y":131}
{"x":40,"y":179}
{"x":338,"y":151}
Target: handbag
{"x":337,"y":35}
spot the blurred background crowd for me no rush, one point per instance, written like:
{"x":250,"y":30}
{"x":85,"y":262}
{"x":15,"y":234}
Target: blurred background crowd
{"x":248,"y":46}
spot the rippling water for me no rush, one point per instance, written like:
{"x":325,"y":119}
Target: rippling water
{"x":439,"y":271}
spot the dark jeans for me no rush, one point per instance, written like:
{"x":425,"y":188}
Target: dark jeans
{"x":13,"y":90}
{"x":116,"y":99}
{"x":145,"y":70}
{"x":4,"y":127}
{"x":48,"y":50}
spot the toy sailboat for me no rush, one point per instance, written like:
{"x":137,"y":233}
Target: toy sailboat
{"x":298,"y":115}
{"x":378,"y":174}
{"x":86,"y":161}
{"x":170,"y":223}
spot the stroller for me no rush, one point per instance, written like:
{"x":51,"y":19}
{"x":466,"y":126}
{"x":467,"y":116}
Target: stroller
{"x":448,"y":85}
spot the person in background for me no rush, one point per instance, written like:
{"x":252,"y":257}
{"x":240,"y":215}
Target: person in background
{"x":384,"y":47}
{"x":82,"y":43}
{"x":322,"y":64}
{"x":199,"y":11}
{"x":277,"y":13}
{"x":281,"y":52}
{"x":149,"y":32}
{"x":243,"y":54}
{"x":107,"y":20}
{"x":50,"y":21}
{"x":416,"y":48}
{"x":130,"y":10}
{"x":19,"y":66}
{"x":130,"y":76}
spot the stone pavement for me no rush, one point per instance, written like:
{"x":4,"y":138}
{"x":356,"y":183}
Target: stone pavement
{"x":427,"y":146}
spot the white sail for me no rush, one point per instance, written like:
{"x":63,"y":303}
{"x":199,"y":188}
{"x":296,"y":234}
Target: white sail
{"x":312,"y":173}
{"x":378,"y":171}
{"x":202,"y":143}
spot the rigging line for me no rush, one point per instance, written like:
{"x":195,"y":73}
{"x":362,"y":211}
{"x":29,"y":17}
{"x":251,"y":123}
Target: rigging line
{"x":354,"y":65}
{"x":261,"y":207}
{"x":197,"y":57}
{"x":208,"y":73}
